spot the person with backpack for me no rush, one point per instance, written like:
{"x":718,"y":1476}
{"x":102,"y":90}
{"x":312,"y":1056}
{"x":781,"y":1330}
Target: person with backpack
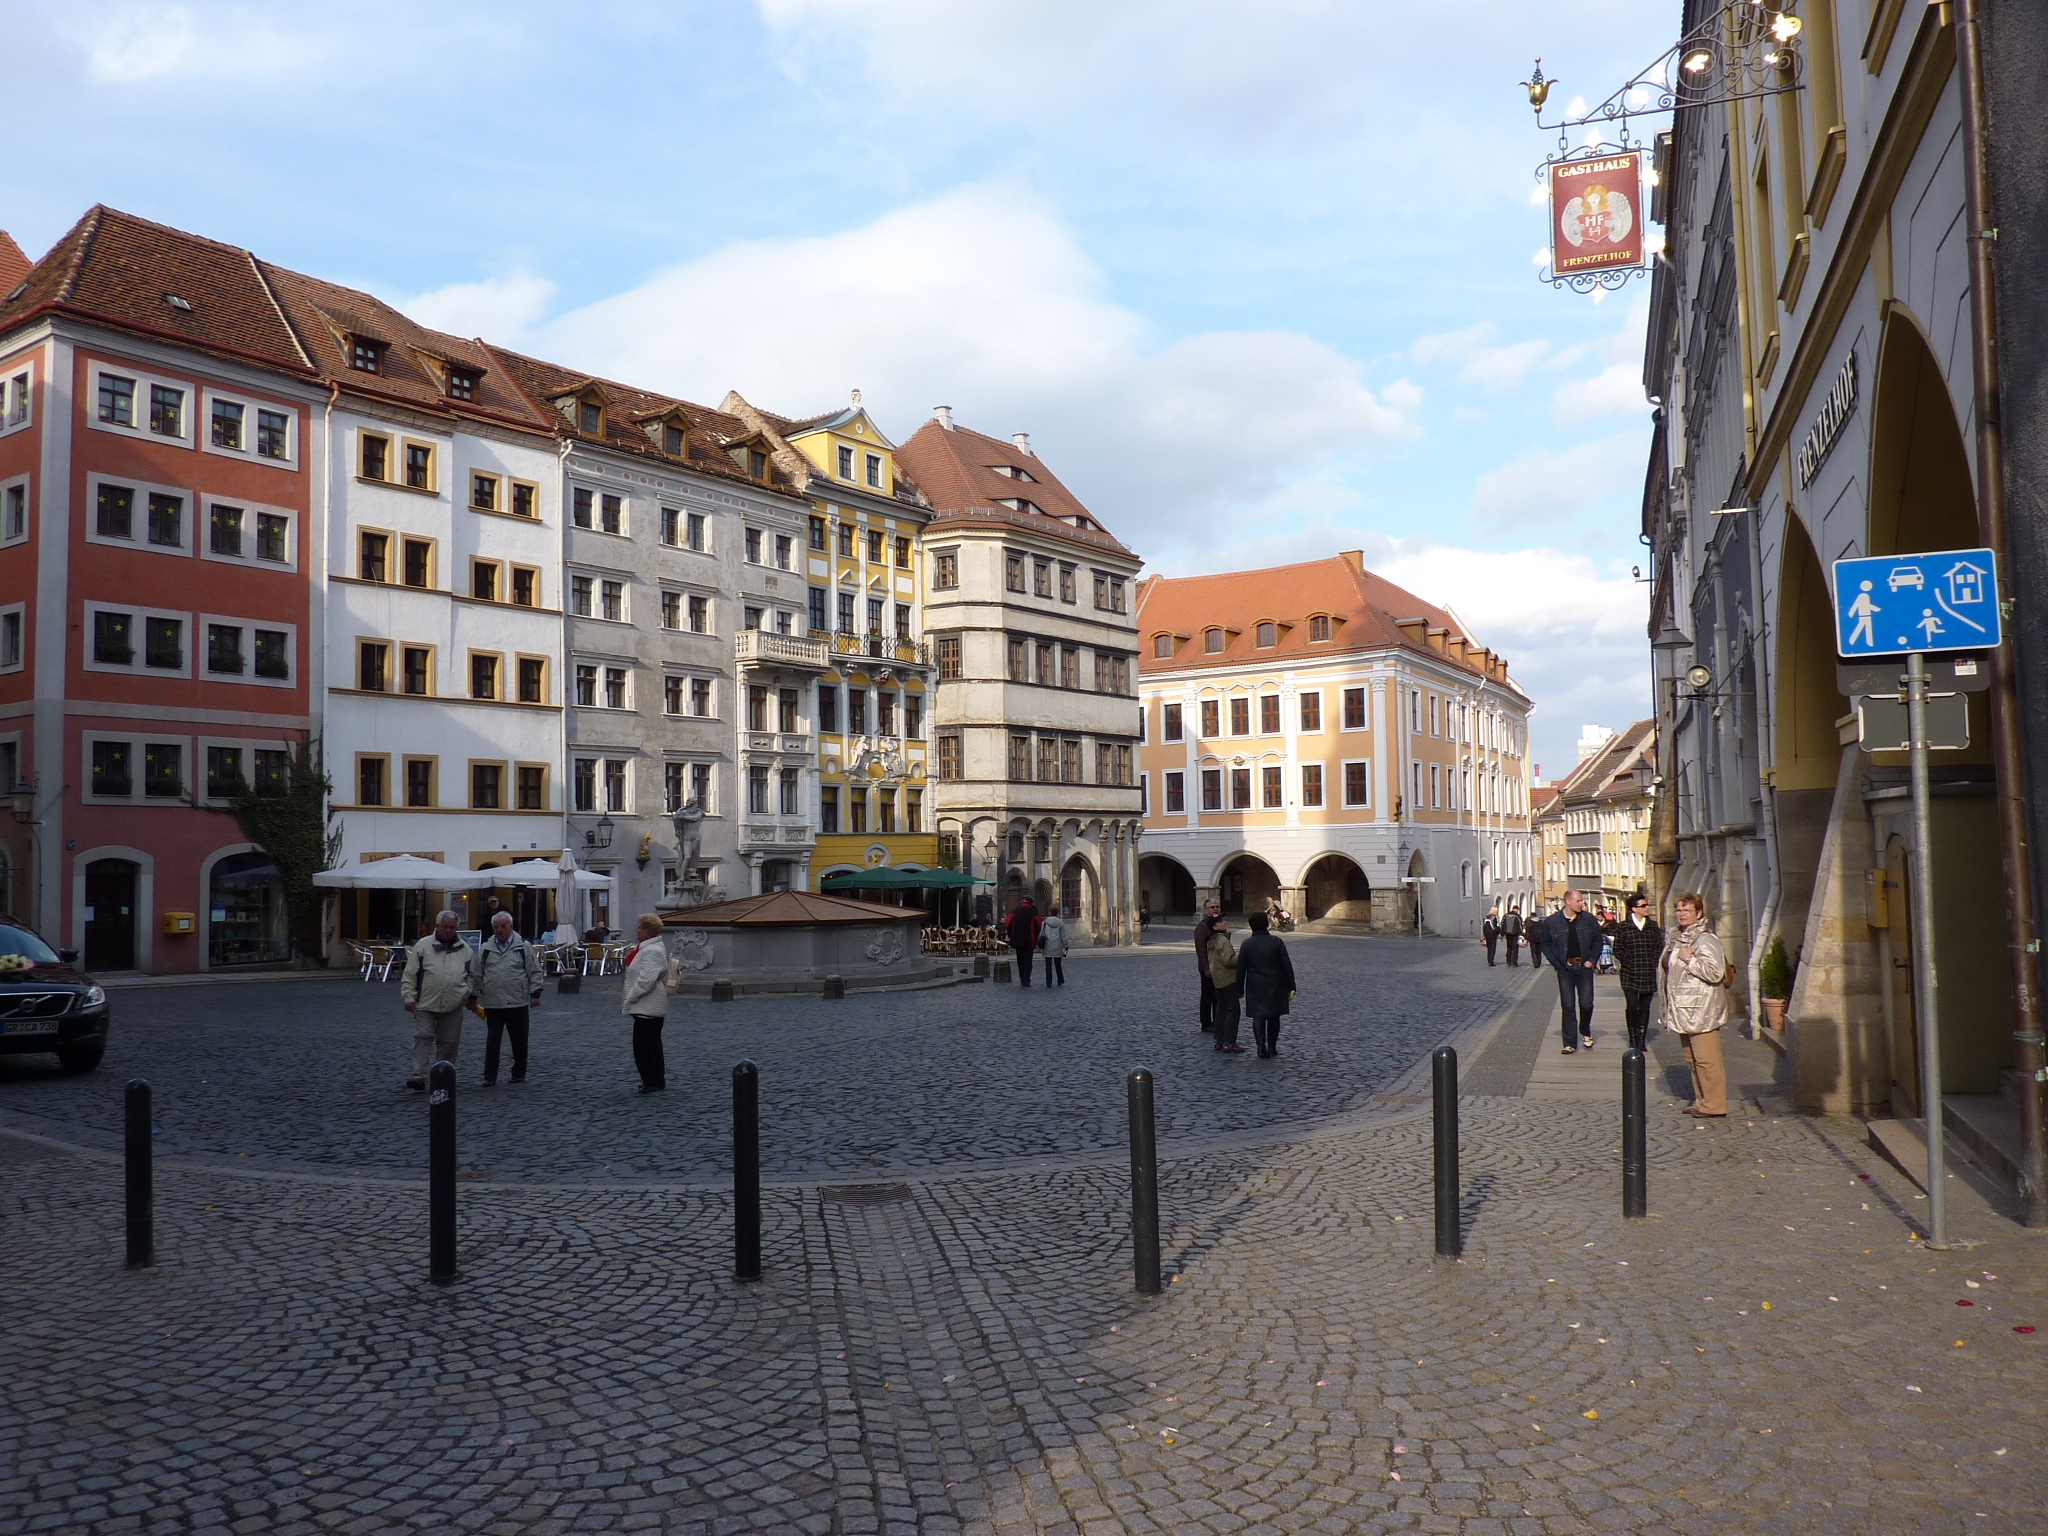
{"x":1052,"y":942}
{"x":1638,"y":946}
{"x":1511,"y":930}
{"x":646,"y":1002}
{"x":1697,"y":977}
{"x":1489,"y":934}
{"x":1022,"y":932}
{"x":508,"y":984}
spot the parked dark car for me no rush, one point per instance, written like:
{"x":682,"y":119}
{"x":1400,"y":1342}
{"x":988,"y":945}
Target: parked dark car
{"x":46,"y":1003}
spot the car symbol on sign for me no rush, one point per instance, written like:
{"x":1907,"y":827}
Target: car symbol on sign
{"x":1907,"y":576}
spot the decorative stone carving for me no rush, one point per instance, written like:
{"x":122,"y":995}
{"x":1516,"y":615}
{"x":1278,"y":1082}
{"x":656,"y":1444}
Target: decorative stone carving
{"x":692,"y":949}
{"x":887,"y":948}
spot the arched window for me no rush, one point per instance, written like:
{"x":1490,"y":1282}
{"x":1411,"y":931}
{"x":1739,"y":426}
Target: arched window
{"x":1465,"y":879}
{"x":1269,"y":636}
{"x":1212,"y":641}
{"x":1162,"y":646}
{"x":1319,"y":627}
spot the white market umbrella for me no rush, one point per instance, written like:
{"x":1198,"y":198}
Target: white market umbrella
{"x":539,"y":872}
{"x":565,"y":893}
{"x":403,"y":872}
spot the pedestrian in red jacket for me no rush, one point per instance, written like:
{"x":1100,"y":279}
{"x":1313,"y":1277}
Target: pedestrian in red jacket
{"x":1022,"y":932}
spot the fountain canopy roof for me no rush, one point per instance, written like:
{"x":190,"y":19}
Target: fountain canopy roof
{"x":788,"y":909}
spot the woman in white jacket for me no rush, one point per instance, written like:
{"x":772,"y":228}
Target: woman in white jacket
{"x":646,"y":1002}
{"x":1052,"y":938}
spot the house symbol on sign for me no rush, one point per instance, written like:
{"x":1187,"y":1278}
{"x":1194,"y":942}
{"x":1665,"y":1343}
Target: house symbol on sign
{"x":1965,"y":583}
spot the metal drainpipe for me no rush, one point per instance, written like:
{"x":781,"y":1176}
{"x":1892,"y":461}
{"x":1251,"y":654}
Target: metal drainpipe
{"x":2004,"y":700}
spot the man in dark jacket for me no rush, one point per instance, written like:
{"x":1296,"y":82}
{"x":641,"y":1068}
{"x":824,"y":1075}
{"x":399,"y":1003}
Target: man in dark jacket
{"x":1511,"y":930}
{"x":1489,"y":931}
{"x":1266,"y":976}
{"x":1638,"y":945}
{"x":1022,"y":933}
{"x":1571,"y":938}
{"x":1204,"y":925}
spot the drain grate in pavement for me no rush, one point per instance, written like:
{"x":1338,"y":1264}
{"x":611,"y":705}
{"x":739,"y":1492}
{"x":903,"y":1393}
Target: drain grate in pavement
{"x":864,"y":1194}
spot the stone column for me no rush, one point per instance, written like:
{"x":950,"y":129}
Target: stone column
{"x":754,"y":874}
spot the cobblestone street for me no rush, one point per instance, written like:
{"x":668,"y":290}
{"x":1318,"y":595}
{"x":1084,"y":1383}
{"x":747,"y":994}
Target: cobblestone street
{"x":952,"y":1350}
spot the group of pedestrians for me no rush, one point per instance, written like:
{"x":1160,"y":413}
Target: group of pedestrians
{"x":1691,"y":969}
{"x":1031,"y":935}
{"x":1253,"y":980}
{"x":1503,"y":928}
{"x":500,"y":980}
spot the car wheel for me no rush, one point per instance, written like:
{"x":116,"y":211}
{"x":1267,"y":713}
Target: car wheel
{"x":82,"y":1058}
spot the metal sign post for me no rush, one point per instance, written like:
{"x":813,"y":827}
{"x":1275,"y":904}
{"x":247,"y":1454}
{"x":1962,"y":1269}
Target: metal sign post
{"x":1939,"y":601}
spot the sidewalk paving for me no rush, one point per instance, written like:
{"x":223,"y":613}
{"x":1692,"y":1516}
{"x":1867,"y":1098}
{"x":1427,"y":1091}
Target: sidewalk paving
{"x":1770,"y":1351}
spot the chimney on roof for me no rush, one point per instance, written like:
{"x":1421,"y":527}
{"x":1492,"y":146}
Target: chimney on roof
{"x":943,"y":415}
{"x":1023,"y":442}
{"x":1356,"y":557}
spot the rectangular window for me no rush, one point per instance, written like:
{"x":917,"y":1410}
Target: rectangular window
{"x":700,"y":615}
{"x":817,"y":534}
{"x":1102,"y":683}
{"x":671,"y":610}
{"x":1105,"y":763}
{"x":373,"y":666}
{"x":949,"y":757}
{"x":785,"y":710}
{"x":483,"y":492}
{"x":846,"y":613}
{"x":483,"y":677}
{"x":273,"y":434}
{"x":815,"y":614}
{"x":1176,"y":794}
{"x":166,"y":520}
{"x":166,"y":411}
{"x":615,"y":784}
{"x":419,"y":563}
{"x":271,"y":534}
{"x":370,"y":776}
{"x":784,"y":551}
{"x":115,"y":512}
{"x":1212,"y":789}
{"x":875,"y":617}
{"x":693,"y":531}
{"x":845,"y":462}
{"x":1067,"y":584}
{"x":419,"y":781}
{"x":610,"y":514}
{"x":700,"y":697}
{"x":533,"y":674}
{"x":1210,"y":728}
{"x":1170,"y":722}
{"x":1354,"y":709}
{"x":113,"y":638}
{"x":902,"y":554}
{"x":1048,"y":760}
{"x":792,"y":786}
{"x":1020,"y":661}
{"x":857,"y":711}
{"x":903,"y":621}
{"x":1269,"y":713}
{"x":1240,"y":789}
{"x":1041,"y":578}
{"x":582,"y":505}
{"x":1269,"y":787}
{"x":945,"y":571}
{"x":583,"y":783}
{"x":525,"y":586}
{"x":856,"y":811}
{"x":672,"y":695}
{"x":1020,"y":757}
{"x":1070,"y":762}
{"x":1357,"y":784}
{"x":874,"y":546}
{"x":419,"y":466}
{"x":1311,"y":784}
{"x":227,"y":424}
{"x":874,"y":469}
{"x":949,"y":659}
{"x":1013,"y":572}
{"x":614,"y":687}
{"x":486,"y":786}
{"x":828,"y":708}
{"x":582,"y":596}
{"x":370,"y":551}
{"x":415,"y":676}
{"x":376,"y":457}
{"x":224,"y":650}
{"x":10,"y":640}
{"x":700,"y":785}
{"x":117,"y":400}
{"x":1311,"y":711}
{"x":913,"y":716}
{"x":753,"y":540}
{"x":1240,"y":716}
{"x":672,"y":791}
{"x":274,"y":655}
{"x":15,"y":524}
{"x":483,"y":580}
{"x":113,"y":773}
{"x":164,"y":644}
{"x":757,"y":792}
{"x":612,"y":600}
{"x":846,"y":540}
{"x":223,"y":772}
{"x":1432,"y":715}
{"x":1434,"y":801}
{"x":828,"y":808}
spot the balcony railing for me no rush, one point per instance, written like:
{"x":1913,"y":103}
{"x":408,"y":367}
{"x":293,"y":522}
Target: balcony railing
{"x":894,"y":648}
{"x":760,"y":647}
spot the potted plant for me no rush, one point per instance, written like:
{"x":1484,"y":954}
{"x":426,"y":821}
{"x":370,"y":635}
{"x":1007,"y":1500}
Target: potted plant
{"x":1774,"y":981}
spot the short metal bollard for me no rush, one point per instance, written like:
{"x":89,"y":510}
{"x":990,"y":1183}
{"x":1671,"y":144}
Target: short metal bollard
{"x":1144,"y":1185}
{"x":833,"y":989}
{"x":1635,"y":1193}
{"x":441,"y":1172}
{"x":746,"y":1172}
{"x":568,"y":982}
{"x":721,"y":991}
{"x":141,"y":1176}
{"x":1450,"y":1239}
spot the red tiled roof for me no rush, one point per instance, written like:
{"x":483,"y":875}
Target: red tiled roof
{"x":13,"y":264}
{"x":705,"y":441}
{"x":124,"y":271}
{"x":1367,"y":613}
{"x":956,"y":468}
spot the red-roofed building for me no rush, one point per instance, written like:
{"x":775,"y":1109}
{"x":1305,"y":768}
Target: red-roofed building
{"x":1318,"y":735}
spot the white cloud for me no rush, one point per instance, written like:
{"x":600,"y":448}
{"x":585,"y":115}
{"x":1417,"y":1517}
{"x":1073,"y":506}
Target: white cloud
{"x":1617,"y":387}
{"x":982,"y":300}
{"x":134,"y":42}
{"x":1547,"y":486}
{"x":1479,"y":361}
{"x":499,"y":309}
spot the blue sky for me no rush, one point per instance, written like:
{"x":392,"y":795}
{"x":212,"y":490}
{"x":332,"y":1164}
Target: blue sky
{"x":1258,"y":280}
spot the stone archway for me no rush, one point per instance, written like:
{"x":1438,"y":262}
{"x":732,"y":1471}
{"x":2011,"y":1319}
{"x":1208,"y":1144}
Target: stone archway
{"x":1808,"y":751}
{"x":1166,"y":886}
{"x":1334,"y":887}
{"x":1246,"y":883}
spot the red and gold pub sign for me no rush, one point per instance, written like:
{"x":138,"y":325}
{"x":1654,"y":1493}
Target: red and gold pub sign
{"x":1596,"y":222}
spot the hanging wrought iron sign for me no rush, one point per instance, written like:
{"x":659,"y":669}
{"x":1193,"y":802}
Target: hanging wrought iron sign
{"x":1745,"y":50}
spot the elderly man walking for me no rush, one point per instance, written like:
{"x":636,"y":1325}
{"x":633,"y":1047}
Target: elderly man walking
{"x":508,"y":979}
{"x":435,"y":986}
{"x":1571,"y":938}
{"x":1212,"y":914}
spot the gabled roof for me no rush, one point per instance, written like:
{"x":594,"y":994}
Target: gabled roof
{"x":962,"y":471}
{"x":1614,"y":772}
{"x":788,"y":909}
{"x":1368,"y":613}
{"x":13,"y":264}
{"x":628,"y":410}
{"x":119,"y":270}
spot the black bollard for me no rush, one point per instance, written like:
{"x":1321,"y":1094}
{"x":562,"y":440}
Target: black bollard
{"x":441,"y":1172}
{"x":141,"y":1177}
{"x":1635,"y":1194}
{"x":746,"y":1172}
{"x":1144,"y":1185}
{"x":1450,"y":1240}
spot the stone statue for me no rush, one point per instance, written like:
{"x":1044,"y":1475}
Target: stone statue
{"x":689,"y":827}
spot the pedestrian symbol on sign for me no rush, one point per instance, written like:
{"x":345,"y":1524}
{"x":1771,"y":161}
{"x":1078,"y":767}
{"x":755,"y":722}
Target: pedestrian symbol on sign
{"x":1863,"y":610}
{"x":1955,"y":591}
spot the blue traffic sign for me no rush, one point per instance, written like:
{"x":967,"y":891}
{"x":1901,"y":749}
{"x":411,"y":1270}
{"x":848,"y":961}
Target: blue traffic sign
{"x":1892,"y":605}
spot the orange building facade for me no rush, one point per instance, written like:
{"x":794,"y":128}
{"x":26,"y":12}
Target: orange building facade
{"x":1315,"y":735}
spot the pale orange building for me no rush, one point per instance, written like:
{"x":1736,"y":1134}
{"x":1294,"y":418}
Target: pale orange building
{"x":1317,"y":734}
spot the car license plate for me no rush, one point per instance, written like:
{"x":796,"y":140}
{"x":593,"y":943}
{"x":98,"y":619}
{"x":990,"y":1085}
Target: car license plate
{"x":28,"y":1026}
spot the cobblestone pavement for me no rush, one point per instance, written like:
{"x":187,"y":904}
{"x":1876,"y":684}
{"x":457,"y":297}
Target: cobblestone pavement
{"x":963,"y":1353}
{"x":310,"y":1075}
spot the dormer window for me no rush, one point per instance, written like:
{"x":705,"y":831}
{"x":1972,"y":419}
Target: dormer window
{"x":757,"y":464}
{"x":366,"y":356}
{"x":1319,"y":628}
{"x":672,"y":440}
{"x":1212,"y":641}
{"x":845,"y":462}
{"x":589,"y":417}
{"x":1269,"y":636}
{"x":1162,"y":646}
{"x":462,"y":383}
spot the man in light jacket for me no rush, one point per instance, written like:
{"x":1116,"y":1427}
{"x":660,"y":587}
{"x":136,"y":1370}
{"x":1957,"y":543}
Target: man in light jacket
{"x":1696,"y":1004}
{"x":435,"y":986}
{"x":508,"y":978}
{"x":646,"y":1003}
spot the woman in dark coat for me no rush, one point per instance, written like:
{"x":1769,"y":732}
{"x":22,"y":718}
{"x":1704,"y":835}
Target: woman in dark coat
{"x":1266,"y":975}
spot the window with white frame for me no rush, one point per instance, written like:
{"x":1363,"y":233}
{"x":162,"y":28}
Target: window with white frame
{"x":249,"y":429}
{"x":700,"y":615}
{"x":133,"y":403}
{"x":224,"y":766}
{"x":146,"y":769}
{"x":1357,"y":783}
{"x":247,"y":651}
{"x":14,"y":510}
{"x":153,"y":641}
{"x":13,"y":637}
{"x":240,"y":533}
{"x":611,"y":601}
{"x":134,"y":514}
{"x":17,"y":396}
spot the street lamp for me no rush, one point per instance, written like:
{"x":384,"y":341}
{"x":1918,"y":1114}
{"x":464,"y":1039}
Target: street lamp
{"x":24,"y":797}
{"x":599,"y":836}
